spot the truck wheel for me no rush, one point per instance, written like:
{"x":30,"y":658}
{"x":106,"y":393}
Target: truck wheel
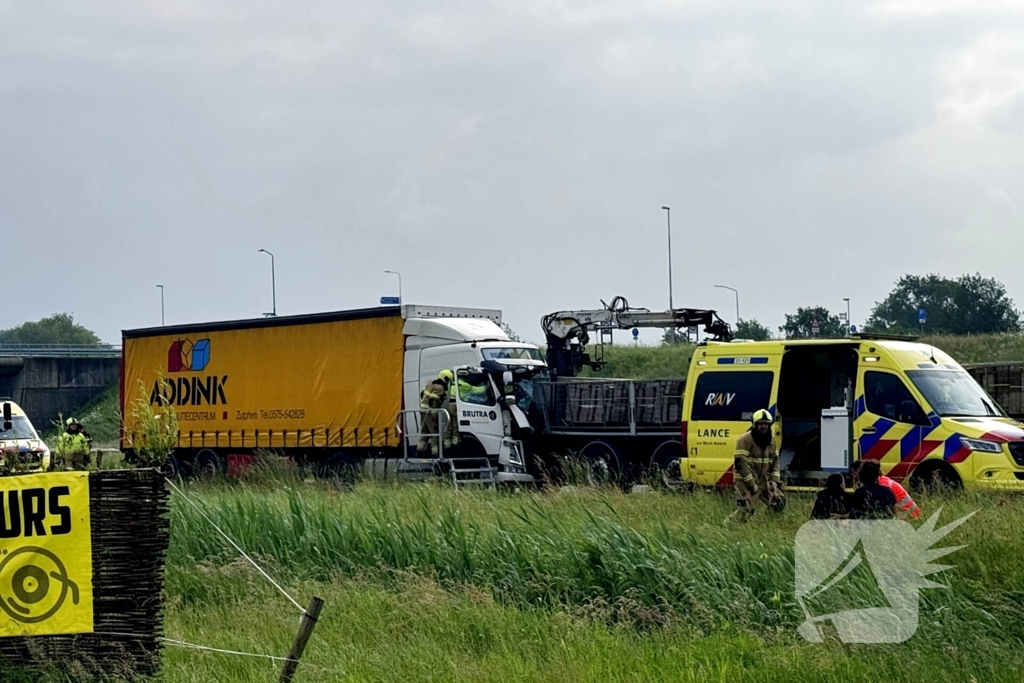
{"x":341,"y":467}
{"x":665,"y":463}
{"x":604,"y":465}
{"x":935,"y":477}
{"x":468,"y":448}
{"x":207,"y":465}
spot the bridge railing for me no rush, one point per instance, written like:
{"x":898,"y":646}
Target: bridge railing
{"x":61,"y":350}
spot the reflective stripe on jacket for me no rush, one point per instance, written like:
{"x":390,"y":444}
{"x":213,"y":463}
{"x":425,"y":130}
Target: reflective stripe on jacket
{"x":904,"y":503}
{"x":751,"y":463}
{"x":433,"y":395}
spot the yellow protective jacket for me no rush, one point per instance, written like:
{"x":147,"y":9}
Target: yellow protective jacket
{"x":72,"y":443}
{"x":753,"y":465}
{"x":476,"y":394}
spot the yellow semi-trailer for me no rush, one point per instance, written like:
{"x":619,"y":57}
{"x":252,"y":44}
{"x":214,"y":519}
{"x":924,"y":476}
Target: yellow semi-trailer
{"x":331,"y":389}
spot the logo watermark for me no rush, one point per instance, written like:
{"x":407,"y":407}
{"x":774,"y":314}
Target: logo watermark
{"x":864,"y":576}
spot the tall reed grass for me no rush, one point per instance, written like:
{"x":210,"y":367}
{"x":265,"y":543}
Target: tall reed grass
{"x":647,"y":561}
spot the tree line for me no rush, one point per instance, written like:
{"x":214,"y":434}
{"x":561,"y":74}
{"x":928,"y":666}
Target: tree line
{"x":59,"y":328}
{"x":969,"y":304}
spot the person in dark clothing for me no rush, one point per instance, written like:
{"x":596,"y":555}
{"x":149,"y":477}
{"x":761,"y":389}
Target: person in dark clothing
{"x":834,"y":501}
{"x":872,"y":500}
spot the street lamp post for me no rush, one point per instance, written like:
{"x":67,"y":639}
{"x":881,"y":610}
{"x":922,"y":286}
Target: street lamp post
{"x":736,"y":292}
{"x":668,"y":220}
{"x":849,"y":323}
{"x":162,"y":323}
{"x":395,"y":272}
{"x":273,"y":282}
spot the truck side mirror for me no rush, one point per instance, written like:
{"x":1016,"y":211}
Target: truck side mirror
{"x":8,"y":417}
{"x":510,"y":400}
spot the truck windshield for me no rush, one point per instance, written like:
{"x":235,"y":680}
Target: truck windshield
{"x":511,"y":353}
{"x":954,"y":393}
{"x":21,"y":428}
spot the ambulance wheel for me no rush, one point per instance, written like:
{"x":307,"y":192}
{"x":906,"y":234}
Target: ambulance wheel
{"x":604,"y":465}
{"x":207,"y":465}
{"x":935,"y":477}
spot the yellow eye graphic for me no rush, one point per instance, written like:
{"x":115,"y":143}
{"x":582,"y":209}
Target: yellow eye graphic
{"x":34,"y":584}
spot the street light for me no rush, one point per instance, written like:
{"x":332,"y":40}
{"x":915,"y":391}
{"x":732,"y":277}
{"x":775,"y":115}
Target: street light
{"x":273,"y":282}
{"x":849,"y":324}
{"x":395,"y":272}
{"x":668,"y":219}
{"x":161,"y":305}
{"x":736,"y":292}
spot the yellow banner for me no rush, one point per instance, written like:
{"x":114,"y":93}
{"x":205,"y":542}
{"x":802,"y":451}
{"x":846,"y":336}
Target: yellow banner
{"x":45,"y":555}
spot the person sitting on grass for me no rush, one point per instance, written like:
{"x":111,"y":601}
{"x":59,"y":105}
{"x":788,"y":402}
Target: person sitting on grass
{"x":872,"y":500}
{"x":905,"y":505}
{"x":833,"y":501}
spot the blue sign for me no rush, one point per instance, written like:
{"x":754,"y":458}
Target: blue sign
{"x":636,"y":333}
{"x":390,"y":300}
{"x":853,"y":329}
{"x":921,"y":316}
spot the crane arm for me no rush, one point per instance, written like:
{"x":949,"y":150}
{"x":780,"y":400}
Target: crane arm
{"x":562,"y":328}
{"x":565,"y":325}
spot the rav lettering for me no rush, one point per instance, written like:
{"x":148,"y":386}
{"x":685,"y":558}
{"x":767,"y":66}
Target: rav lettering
{"x":719,"y":399}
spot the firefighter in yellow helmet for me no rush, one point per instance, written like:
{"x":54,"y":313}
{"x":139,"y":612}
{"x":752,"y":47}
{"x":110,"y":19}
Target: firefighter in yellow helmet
{"x":756,"y":469}
{"x":434,"y":397}
{"x":74,"y":444}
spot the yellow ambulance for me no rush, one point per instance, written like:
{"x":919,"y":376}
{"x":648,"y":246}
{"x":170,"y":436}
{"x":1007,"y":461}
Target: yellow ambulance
{"x":908,"y":405}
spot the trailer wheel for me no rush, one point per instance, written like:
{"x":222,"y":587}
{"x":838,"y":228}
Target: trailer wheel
{"x":342,"y":467}
{"x":172,"y":467}
{"x":604,"y":465}
{"x":665,"y":463}
{"x":207,"y":465}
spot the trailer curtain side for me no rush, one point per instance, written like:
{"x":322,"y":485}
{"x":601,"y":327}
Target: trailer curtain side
{"x":322,"y":384}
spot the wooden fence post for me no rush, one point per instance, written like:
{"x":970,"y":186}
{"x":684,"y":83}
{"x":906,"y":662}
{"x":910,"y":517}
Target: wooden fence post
{"x":309,"y":620}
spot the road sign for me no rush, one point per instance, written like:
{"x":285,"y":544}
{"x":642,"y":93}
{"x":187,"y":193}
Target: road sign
{"x":921,"y":316}
{"x":390,"y":300}
{"x":636,"y":333}
{"x":853,"y":329}
{"x":814,"y":326}
{"x":842,"y":316}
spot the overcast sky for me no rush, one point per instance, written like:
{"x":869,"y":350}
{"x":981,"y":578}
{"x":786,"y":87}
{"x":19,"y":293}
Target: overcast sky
{"x":511,"y":155}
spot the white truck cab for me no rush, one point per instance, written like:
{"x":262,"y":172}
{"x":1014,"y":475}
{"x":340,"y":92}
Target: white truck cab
{"x":477,"y":350}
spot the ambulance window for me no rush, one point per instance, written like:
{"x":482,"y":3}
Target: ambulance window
{"x":731,"y":396}
{"x":886,"y":395}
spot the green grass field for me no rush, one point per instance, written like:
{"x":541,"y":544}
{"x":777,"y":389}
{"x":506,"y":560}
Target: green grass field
{"x":425,"y":583}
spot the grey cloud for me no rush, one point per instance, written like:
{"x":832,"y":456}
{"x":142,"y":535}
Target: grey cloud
{"x":810,"y":152}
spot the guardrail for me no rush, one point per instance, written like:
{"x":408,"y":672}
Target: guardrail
{"x":61,"y":350}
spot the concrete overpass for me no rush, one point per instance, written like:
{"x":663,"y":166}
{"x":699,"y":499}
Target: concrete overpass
{"x":50,"y":380}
